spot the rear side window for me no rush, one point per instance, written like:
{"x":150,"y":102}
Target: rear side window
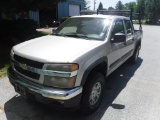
{"x":118,"y":27}
{"x":128,"y":26}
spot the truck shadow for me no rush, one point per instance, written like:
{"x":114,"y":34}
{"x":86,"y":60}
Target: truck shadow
{"x":20,"y":109}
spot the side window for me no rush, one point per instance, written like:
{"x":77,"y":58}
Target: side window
{"x":118,"y":27}
{"x":128,"y":26}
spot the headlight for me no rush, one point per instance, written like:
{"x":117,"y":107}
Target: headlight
{"x":12,"y":53}
{"x":62,"y":67}
{"x":11,"y":56}
{"x":61,"y":81}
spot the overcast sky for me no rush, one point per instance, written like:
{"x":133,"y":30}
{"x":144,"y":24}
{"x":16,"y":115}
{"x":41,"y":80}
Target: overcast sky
{"x":107,"y":3}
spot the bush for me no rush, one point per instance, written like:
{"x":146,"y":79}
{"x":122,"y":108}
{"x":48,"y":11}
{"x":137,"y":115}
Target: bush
{"x":149,"y":22}
{"x":21,"y":29}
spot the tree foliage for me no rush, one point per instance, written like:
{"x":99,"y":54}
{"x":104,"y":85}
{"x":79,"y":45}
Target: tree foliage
{"x":130,"y":5}
{"x":149,"y":9}
{"x":86,"y":4}
{"x":100,"y":7}
{"x":152,"y":10}
{"x":141,"y":4}
{"x":110,"y":8}
{"x":119,"y":6}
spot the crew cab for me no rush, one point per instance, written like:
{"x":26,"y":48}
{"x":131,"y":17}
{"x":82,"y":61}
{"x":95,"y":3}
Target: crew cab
{"x":67,"y":69}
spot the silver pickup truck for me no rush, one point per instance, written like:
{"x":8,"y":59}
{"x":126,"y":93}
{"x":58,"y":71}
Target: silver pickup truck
{"x":67,"y":69}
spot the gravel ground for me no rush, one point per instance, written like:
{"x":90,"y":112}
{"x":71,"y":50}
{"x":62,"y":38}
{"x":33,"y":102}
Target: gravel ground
{"x":132,"y":91}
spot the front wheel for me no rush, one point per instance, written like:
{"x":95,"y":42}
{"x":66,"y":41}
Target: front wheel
{"x":92,"y":94}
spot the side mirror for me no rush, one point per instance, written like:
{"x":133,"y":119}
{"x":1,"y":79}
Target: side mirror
{"x":129,"y":31}
{"x":119,"y":37}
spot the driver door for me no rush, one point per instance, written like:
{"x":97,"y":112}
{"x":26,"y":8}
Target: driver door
{"x":115,"y":55}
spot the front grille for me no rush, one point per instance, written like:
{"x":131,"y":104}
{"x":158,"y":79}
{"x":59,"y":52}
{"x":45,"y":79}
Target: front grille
{"x":27,"y":73}
{"x":28,"y":62}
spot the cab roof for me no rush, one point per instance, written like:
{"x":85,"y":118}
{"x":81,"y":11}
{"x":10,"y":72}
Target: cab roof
{"x":101,"y":16}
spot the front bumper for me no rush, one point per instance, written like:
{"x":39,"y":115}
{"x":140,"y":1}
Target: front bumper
{"x":65,"y":97}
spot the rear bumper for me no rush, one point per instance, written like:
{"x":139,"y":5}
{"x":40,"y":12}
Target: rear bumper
{"x":58,"y":97}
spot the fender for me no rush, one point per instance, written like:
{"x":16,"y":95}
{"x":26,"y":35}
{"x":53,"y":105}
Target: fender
{"x":91,"y":67}
{"x":138,"y":43}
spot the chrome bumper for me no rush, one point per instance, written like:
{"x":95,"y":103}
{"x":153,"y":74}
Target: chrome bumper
{"x":54,"y":93}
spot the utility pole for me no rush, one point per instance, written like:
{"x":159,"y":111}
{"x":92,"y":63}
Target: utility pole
{"x":94,"y":4}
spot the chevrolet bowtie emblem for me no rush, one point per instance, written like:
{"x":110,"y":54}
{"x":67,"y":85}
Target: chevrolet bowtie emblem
{"x":23,"y":66}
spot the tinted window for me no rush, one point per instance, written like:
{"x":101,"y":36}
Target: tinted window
{"x":118,"y":27}
{"x":128,"y":26}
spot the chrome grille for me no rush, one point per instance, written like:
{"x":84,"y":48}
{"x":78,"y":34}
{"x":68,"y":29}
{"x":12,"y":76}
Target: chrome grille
{"x":27,"y":73}
{"x":28,"y":63}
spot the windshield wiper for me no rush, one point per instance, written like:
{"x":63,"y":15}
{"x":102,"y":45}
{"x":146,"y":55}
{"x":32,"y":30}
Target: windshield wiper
{"x":58,"y":34}
{"x":71,"y":35}
{"x":76,"y":35}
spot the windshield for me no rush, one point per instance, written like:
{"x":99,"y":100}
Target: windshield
{"x":85,"y":27}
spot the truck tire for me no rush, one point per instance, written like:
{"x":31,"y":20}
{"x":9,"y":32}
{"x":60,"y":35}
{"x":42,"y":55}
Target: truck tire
{"x":135,"y":55}
{"x":92,"y":93}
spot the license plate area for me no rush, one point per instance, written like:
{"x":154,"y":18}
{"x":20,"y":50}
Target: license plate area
{"x":21,"y":90}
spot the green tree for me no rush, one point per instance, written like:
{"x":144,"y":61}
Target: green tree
{"x":141,"y":4}
{"x":119,"y":6}
{"x":86,"y":4}
{"x":100,"y":7}
{"x":152,"y":10}
{"x":110,"y":8}
{"x":130,"y":5}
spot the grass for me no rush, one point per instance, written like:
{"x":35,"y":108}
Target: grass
{"x":41,"y":33}
{"x":4,"y":59}
{"x":3,"y":70}
{"x":5,"y":49}
{"x":137,"y":22}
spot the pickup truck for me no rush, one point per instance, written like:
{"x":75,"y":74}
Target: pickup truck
{"x":67,"y":69}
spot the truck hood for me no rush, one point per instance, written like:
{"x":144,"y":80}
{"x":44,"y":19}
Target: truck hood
{"x":50,"y":49}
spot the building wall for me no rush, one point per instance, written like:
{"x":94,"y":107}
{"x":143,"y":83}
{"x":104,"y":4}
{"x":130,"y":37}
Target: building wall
{"x":63,"y":10}
{"x":34,"y":15}
{"x":63,"y":7}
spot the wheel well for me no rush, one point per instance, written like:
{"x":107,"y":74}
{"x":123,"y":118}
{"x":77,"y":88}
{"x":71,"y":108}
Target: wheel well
{"x":138,"y":43}
{"x":98,"y":66}
{"x":101,"y":68}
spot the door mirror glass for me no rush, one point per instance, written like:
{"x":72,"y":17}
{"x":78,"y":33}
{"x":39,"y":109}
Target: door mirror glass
{"x":128,"y":25}
{"x":118,"y":33}
{"x":119,"y":37}
{"x":129,"y":31}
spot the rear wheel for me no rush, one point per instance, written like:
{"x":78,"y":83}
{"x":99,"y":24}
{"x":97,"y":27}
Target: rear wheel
{"x":92,"y":94}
